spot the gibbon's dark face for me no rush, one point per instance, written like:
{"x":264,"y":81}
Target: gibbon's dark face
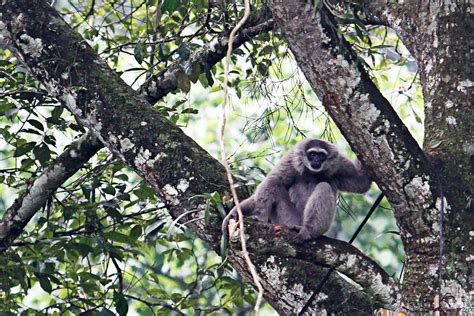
{"x":316,"y":157}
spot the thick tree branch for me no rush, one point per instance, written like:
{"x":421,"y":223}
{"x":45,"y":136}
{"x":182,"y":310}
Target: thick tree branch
{"x":210,"y":55}
{"x":370,"y":125}
{"x":327,"y":252}
{"x":432,"y":41}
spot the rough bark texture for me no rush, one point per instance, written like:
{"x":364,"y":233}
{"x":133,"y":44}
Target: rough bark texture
{"x":383,"y":143}
{"x":440,"y":38}
{"x":174,"y":164}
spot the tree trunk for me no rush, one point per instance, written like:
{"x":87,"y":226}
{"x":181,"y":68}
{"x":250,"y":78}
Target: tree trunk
{"x":438,"y":36}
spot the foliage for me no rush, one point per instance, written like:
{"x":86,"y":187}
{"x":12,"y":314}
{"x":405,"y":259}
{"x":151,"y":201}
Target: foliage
{"x":104,"y":242}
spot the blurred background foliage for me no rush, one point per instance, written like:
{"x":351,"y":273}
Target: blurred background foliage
{"x":104,"y":242}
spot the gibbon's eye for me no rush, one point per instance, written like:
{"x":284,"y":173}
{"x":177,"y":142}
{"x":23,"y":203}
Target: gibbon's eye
{"x":321,"y":156}
{"x":315,"y":155}
{"x":312,"y":154}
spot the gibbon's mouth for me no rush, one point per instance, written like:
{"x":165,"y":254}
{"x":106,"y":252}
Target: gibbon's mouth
{"x":315,"y":167}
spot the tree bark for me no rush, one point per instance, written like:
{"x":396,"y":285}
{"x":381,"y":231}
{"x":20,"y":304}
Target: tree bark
{"x":155,"y":89}
{"x":35,"y":196}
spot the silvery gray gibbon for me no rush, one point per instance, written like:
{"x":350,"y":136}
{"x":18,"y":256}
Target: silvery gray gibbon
{"x":300,"y":191}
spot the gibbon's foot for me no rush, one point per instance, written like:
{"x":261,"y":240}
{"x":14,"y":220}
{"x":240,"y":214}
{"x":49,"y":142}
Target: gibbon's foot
{"x":295,"y":227}
{"x":301,"y":237}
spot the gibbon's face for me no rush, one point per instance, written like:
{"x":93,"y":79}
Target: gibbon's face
{"x":316,"y":158}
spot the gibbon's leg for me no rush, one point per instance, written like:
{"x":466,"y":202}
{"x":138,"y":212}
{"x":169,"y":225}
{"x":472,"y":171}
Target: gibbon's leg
{"x":318,"y":213}
{"x":273,"y":204}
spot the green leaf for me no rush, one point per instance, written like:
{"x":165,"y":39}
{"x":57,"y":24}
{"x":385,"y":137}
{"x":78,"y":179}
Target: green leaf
{"x":23,"y":149}
{"x":42,"y":153}
{"x":144,"y":192}
{"x":30,"y":131}
{"x":55,"y":114}
{"x":109,"y":189}
{"x":121,"y":304}
{"x":195,"y":72}
{"x":169,"y":5}
{"x":136,"y":232}
{"x":118,"y":237}
{"x":36,"y":124}
{"x":215,"y":197}
{"x":184,"y":254}
{"x":183,"y":82}
{"x":26,"y":163}
{"x":85,"y":276}
{"x":116,"y":253}
{"x":118,"y":166}
{"x":112,"y":212}
{"x":50,"y":139}
{"x":82,"y":249}
{"x":262,"y":69}
{"x":44,"y":283}
{"x":190,"y":111}
{"x":5,"y":106}
{"x":86,"y":190}
{"x":139,"y":52}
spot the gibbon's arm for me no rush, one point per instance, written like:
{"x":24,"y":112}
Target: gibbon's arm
{"x":284,"y":173}
{"x":352,"y":176}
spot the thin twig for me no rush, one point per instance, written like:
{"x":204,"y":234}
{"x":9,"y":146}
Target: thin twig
{"x":226,"y":165}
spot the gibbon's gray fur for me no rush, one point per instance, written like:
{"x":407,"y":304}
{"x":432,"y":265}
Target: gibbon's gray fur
{"x":300,"y":191}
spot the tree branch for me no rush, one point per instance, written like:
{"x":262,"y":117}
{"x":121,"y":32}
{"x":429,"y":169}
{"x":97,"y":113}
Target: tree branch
{"x":29,"y":202}
{"x":167,"y":80}
{"x":12,"y":225}
{"x":327,"y":252}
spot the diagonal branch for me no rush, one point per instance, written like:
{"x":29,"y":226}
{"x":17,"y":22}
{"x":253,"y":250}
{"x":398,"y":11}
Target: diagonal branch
{"x":205,"y":58}
{"x":12,"y":225}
